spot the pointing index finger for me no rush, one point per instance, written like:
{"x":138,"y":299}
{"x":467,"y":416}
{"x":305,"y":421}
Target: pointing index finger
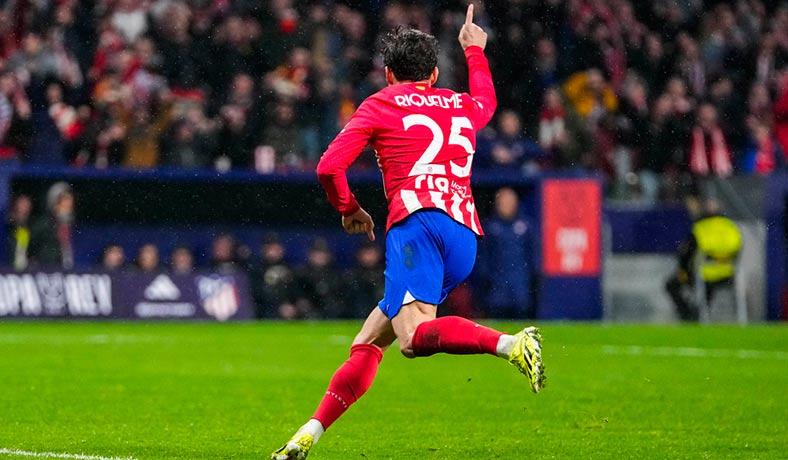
{"x":469,"y":15}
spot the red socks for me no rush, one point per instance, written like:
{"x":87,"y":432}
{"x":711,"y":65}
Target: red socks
{"x":450,"y":334}
{"x":350,"y":381}
{"x":454,"y":335}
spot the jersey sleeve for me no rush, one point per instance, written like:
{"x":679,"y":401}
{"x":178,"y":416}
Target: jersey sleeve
{"x":341,"y":153}
{"x":481,"y":87}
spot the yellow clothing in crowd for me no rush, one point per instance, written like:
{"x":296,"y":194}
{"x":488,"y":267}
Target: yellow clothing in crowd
{"x":584,"y":98}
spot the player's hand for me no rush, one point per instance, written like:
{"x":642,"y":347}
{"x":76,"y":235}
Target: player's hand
{"x":359,"y":222}
{"x":471,"y":34}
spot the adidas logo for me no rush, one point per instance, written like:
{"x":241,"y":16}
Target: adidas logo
{"x":162,"y":288}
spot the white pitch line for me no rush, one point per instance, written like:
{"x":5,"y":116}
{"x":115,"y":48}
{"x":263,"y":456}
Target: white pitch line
{"x":24,"y":453}
{"x":690,"y":352}
{"x":94,"y":339}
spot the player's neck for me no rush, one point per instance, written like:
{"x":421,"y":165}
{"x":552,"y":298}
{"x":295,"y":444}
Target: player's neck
{"x":411,"y":82}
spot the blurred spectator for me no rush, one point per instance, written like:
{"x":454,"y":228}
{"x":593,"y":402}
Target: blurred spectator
{"x":15,"y":118}
{"x":242,"y":93}
{"x":590,"y":95}
{"x":764,"y":155}
{"x":147,"y":258}
{"x":18,"y":232}
{"x":631,"y":128}
{"x":141,"y":67}
{"x":364,"y":282}
{"x":224,"y":255}
{"x":729,"y":103}
{"x":447,"y":56}
{"x":295,"y":83}
{"x":767,"y":58}
{"x":104,"y":143}
{"x":781,"y":112}
{"x":282,"y":136}
{"x":594,"y":100}
{"x":49,"y":144}
{"x":74,"y":36}
{"x":509,"y":148}
{"x":546,"y":65}
{"x":505,"y":266}
{"x":51,"y":236}
{"x":318,"y":284}
{"x":607,"y":43}
{"x":34,"y":61}
{"x":650,"y":61}
{"x":552,"y":127}
{"x":282,"y":31}
{"x":186,"y":146}
{"x":633,"y":117}
{"x":273,"y":282}
{"x":676,"y":92}
{"x":68,"y":120}
{"x":663,"y":156}
{"x":113,"y":258}
{"x":130,"y":18}
{"x":709,"y":153}
{"x":240,"y":120}
{"x":185,"y":58}
{"x":291,"y":80}
{"x":759,"y":105}
{"x":353,"y":59}
{"x":181,"y":261}
{"x":237,"y":44}
{"x":561,"y":132}
{"x":143,"y":129}
{"x":690,"y":66}
{"x":235,"y":139}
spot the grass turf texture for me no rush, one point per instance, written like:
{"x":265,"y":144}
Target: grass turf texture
{"x":237,"y":391}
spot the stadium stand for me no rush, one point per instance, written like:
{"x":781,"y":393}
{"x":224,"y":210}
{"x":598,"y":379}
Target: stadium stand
{"x":650,"y":96}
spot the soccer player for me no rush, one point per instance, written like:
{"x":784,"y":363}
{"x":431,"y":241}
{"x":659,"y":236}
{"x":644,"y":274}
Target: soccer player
{"x":425,"y":139}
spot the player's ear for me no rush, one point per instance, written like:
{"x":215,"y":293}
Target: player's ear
{"x":434,"y":76}
{"x":389,"y":76}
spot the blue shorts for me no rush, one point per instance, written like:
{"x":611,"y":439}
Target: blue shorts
{"x":427,"y":255}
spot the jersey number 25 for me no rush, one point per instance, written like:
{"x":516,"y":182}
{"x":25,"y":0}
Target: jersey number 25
{"x":424,"y":165}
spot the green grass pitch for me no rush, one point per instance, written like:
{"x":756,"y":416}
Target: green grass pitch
{"x":171,"y":391}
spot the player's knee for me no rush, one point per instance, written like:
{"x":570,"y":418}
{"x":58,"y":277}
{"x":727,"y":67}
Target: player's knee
{"x":367,"y":339}
{"x":406,"y":346}
{"x":406,"y":350}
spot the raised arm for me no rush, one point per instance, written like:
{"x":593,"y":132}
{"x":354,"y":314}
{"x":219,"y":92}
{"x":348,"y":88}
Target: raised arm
{"x":473,"y":40}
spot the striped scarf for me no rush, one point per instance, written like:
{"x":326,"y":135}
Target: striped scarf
{"x":720,"y":163}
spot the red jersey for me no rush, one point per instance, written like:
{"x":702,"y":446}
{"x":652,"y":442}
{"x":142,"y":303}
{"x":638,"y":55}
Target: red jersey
{"x":424,"y":138}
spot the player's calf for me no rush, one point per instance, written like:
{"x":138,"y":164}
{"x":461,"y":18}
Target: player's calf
{"x":453,"y":335}
{"x":459,"y":336}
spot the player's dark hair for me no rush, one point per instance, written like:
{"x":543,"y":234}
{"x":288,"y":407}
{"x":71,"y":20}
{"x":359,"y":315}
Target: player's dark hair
{"x":410,"y":54}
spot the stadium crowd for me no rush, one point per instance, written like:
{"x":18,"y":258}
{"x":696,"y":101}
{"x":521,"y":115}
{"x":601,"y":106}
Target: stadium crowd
{"x":283,"y":285}
{"x":650,"y":93}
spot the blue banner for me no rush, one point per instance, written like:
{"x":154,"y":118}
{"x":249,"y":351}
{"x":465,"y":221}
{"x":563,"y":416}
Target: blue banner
{"x":126,"y":295}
